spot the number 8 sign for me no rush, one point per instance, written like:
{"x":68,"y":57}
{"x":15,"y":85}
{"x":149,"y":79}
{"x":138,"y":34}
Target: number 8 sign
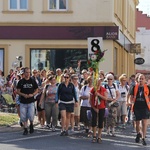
{"x":94,"y":44}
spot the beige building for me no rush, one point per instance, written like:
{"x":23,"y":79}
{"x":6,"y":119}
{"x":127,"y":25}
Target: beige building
{"x":53,"y":33}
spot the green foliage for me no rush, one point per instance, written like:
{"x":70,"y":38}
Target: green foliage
{"x":8,"y":119}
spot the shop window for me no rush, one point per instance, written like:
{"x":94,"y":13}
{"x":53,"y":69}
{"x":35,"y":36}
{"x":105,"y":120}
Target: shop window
{"x":59,"y":5}
{"x":1,"y":59}
{"x":50,"y":59}
{"x":18,"y":4}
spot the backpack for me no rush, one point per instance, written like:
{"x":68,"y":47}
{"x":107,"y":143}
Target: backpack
{"x":85,"y":87}
{"x":106,"y":86}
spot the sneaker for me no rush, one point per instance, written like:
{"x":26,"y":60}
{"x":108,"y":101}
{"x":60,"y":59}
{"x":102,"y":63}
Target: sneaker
{"x":86,"y":130}
{"x":72,"y":130}
{"x":90,"y":133}
{"x":21,"y":124}
{"x":124,"y":126}
{"x":31,"y":128}
{"x":48,"y":126}
{"x":25,"y":131}
{"x":42,"y":126}
{"x":66,"y":133}
{"x":78,"y":127}
{"x":113,"y":135}
{"x":133,"y":131}
{"x":62,"y":133}
{"x":138,"y":136}
{"x":144,"y":142}
{"x":108,"y":133}
{"x":53,"y":128}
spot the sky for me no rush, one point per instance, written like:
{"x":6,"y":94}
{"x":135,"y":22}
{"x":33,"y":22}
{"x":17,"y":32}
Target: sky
{"x":144,"y":5}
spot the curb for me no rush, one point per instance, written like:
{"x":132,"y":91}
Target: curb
{"x":10,"y":128}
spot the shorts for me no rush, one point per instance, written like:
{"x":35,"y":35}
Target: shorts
{"x":77,"y":110}
{"x":140,"y":114}
{"x":122,"y":109}
{"x":17,"y":99}
{"x":27,"y":111}
{"x":67,"y":107}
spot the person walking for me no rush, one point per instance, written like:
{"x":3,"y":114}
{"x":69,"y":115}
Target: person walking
{"x":122,"y":108}
{"x":141,"y":107}
{"x":98,"y":98}
{"x":113,"y":95}
{"x":27,"y":88}
{"x":66,"y":97}
{"x":85,"y":105}
{"x":75,"y":116}
{"x":49,"y":98}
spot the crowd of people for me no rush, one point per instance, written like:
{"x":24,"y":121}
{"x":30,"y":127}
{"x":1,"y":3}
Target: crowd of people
{"x":72,"y":97}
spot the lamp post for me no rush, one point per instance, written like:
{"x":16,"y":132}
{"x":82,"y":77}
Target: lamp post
{"x":19,"y":58}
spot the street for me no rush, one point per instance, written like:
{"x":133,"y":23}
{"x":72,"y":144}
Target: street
{"x":43,"y":139}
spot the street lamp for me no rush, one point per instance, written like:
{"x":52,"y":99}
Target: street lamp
{"x":19,"y":58}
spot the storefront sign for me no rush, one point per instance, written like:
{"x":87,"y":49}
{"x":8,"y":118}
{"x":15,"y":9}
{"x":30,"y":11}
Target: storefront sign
{"x":139,"y":61}
{"x":111,"y":35}
{"x":135,"y":48}
{"x":58,"y":32}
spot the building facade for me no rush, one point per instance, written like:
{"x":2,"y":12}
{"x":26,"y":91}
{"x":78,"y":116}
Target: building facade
{"x":53,"y":33}
{"x":143,"y":36}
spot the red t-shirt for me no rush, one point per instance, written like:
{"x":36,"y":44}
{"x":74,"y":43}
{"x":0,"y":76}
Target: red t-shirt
{"x":95,"y":104}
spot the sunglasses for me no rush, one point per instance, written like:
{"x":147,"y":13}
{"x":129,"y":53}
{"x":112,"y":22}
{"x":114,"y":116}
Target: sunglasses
{"x":66,"y":77}
{"x":75,"y":78}
{"x":109,"y":79}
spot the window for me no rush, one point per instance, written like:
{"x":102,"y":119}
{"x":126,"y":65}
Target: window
{"x":60,"y":5}
{"x":18,"y":4}
{"x":50,"y":59}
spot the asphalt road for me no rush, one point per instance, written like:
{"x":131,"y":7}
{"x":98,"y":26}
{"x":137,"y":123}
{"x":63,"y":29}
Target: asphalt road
{"x":44,"y":139}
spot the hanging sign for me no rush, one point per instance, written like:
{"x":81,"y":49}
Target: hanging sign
{"x":139,"y":61}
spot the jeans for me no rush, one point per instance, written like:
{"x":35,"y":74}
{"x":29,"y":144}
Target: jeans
{"x":27,"y":111}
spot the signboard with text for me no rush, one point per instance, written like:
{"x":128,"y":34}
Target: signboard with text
{"x":135,"y":48}
{"x":139,"y":61}
{"x":94,"y":43}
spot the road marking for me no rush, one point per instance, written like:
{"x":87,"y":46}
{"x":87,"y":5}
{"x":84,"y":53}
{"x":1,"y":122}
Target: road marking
{"x":28,"y":138}
{"x":37,"y":136}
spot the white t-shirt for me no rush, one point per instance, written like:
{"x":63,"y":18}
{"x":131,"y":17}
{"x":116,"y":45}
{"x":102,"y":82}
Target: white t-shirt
{"x":123,"y":92}
{"x":85,"y":92}
{"x":113,"y":89}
